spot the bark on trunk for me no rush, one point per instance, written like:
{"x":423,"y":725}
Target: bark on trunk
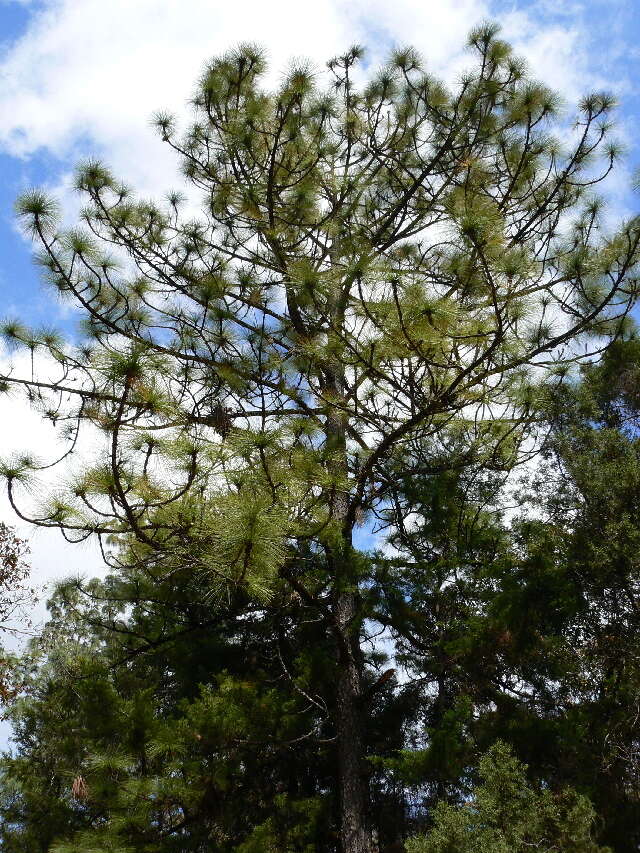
{"x":355,"y":834}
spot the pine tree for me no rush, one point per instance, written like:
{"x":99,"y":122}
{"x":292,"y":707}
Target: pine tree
{"x":374,"y":266}
{"x":591,"y":505}
{"x":508,"y":815}
{"x":16,"y":597}
{"x":527,"y":631}
{"x":155,"y":729}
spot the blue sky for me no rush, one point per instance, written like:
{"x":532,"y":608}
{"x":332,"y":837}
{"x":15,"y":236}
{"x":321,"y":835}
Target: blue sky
{"x":82,"y":79}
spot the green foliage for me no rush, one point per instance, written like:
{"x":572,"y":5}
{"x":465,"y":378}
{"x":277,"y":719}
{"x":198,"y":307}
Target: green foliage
{"x":16,"y":600}
{"x":159,"y":730}
{"x":529,"y":632}
{"x":36,"y":210}
{"x":508,"y":815}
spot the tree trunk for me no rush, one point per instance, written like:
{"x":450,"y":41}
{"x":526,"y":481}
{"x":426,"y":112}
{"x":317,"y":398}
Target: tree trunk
{"x":355,"y":834}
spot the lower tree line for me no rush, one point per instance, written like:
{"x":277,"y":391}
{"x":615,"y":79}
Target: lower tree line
{"x":502,"y":659}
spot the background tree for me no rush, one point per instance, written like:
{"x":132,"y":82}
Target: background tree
{"x":590,"y":545}
{"x":527,"y":631}
{"x":170,"y":727}
{"x":507,"y":815}
{"x":16,"y":598}
{"x":373,"y":267}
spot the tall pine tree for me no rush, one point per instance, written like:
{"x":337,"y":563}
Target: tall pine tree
{"x":372,"y":267}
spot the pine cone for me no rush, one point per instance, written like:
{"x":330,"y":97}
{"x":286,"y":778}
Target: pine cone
{"x":79,"y":789}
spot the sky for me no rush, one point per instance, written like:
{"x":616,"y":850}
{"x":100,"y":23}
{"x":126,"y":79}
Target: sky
{"x":82,"y":79}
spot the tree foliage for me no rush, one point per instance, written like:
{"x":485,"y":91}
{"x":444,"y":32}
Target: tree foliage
{"x":369,"y":264}
{"x":525,"y":632}
{"x":15,"y":596}
{"x":507,"y":815}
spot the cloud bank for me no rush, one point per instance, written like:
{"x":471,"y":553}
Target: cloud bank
{"x":87,"y":76}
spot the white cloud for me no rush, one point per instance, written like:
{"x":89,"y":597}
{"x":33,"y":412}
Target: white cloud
{"x":96,"y":71}
{"x":559,"y":54}
{"x":89,"y":75}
